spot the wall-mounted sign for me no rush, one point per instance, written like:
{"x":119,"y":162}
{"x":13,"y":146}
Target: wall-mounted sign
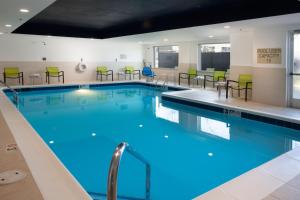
{"x":269,"y":56}
{"x":123,"y":56}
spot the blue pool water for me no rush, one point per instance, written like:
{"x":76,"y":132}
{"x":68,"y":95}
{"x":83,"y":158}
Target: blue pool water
{"x":190,"y":150}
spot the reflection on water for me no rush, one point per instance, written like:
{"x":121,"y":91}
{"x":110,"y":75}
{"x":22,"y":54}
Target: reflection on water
{"x":165,"y":112}
{"x":214,"y":127}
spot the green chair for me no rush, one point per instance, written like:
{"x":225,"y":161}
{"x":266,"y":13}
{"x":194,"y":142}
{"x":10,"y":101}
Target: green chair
{"x":216,"y":77}
{"x":103,"y":71}
{"x":54,"y":72}
{"x":244,"y":83}
{"x":192,"y":73}
{"x":13,"y":73}
{"x":129,"y":70}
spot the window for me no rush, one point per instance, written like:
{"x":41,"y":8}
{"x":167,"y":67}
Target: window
{"x":214,"y":56}
{"x":166,"y":56}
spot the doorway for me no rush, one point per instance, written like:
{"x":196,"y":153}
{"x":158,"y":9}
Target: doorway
{"x":294,"y":69}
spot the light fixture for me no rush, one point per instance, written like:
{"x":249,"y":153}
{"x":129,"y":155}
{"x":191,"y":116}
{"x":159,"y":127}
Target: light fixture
{"x":24,"y":10}
{"x":49,"y":36}
{"x":93,"y":134}
{"x":141,"y":125}
{"x":166,"y":136}
{"x":51,"y":142}
{"x":91,"y":38}
{"x":166,"y":39}
{"x":210,"y":36}
{"x":1,"y":33}
{"x":210,"y":154}
{"x":8,"y":25}
{"x":227,"y":27}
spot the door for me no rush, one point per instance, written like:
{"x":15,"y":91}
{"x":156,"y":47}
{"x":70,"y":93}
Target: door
{"x":295,"y":70}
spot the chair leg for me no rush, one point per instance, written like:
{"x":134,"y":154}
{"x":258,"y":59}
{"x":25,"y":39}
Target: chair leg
{"x":246,"y":94}
{"x":112,"y":77}
{"x":63,"y":78}
{"x":22,"y":80}
{"x":179,"y":79}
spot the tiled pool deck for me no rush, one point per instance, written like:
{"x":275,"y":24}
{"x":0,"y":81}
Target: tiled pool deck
{"x":277,"y":179}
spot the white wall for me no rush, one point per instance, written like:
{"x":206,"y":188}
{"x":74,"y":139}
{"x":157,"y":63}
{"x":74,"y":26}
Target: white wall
{"x":33,"y":48}
{"x":27,"y":52}
{"x":269,"y":80}
{"x":241,"y":49}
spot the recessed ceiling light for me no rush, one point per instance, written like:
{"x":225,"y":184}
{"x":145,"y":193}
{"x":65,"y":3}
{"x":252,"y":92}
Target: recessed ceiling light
{"x":227,"y":27}
{"x":1,"y":33}
{"x":166,"y":39}
{"x":49,"y":36}
{"x":8,"y":25}
{"x":91,"y":38}
{"x":23,"y":10}
{"x":211,"y":36}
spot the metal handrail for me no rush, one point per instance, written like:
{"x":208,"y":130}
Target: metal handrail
{"x":114,"y":167}
{"x":15,"y":93}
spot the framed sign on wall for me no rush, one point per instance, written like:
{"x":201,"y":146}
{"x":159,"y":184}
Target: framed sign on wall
{"x":269,"y":56}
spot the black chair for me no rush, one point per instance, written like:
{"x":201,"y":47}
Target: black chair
{"x":192,"y":73}
{"x":132,"y":72}
{"x":244,"y":83}
{"x":216,"y":77}
{"x":54,"y":72}
{"x":103,"y":71}
{"x":13,"y":73}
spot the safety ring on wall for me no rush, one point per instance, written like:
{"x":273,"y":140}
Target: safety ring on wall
{"x":81,"y":67}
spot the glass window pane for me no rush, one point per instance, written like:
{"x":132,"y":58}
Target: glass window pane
{"x":166,"y":56}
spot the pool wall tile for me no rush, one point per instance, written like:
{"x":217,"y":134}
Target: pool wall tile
{"x":245,"y":115}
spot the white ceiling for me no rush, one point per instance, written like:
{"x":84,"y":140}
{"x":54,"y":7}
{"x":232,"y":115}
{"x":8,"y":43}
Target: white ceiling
{"x":9,"y":12}
{"x":201,"y":33}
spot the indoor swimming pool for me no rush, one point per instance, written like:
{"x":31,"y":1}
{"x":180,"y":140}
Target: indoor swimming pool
{"x":190,"y":150}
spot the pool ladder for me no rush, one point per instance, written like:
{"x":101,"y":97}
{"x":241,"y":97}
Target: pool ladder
{"x":164,"y":84}
{"x":15,"y":93}
{"x":113,"y":172}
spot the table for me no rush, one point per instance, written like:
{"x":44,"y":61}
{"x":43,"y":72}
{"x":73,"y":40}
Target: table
{"x":121,"y":74}
{"x":35,"y":76}
{"x":197,"y":78}
{"x":220,"y":85}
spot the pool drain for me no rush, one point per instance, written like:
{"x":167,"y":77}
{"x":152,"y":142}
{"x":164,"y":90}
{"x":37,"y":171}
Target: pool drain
{"x":11,"y":176}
